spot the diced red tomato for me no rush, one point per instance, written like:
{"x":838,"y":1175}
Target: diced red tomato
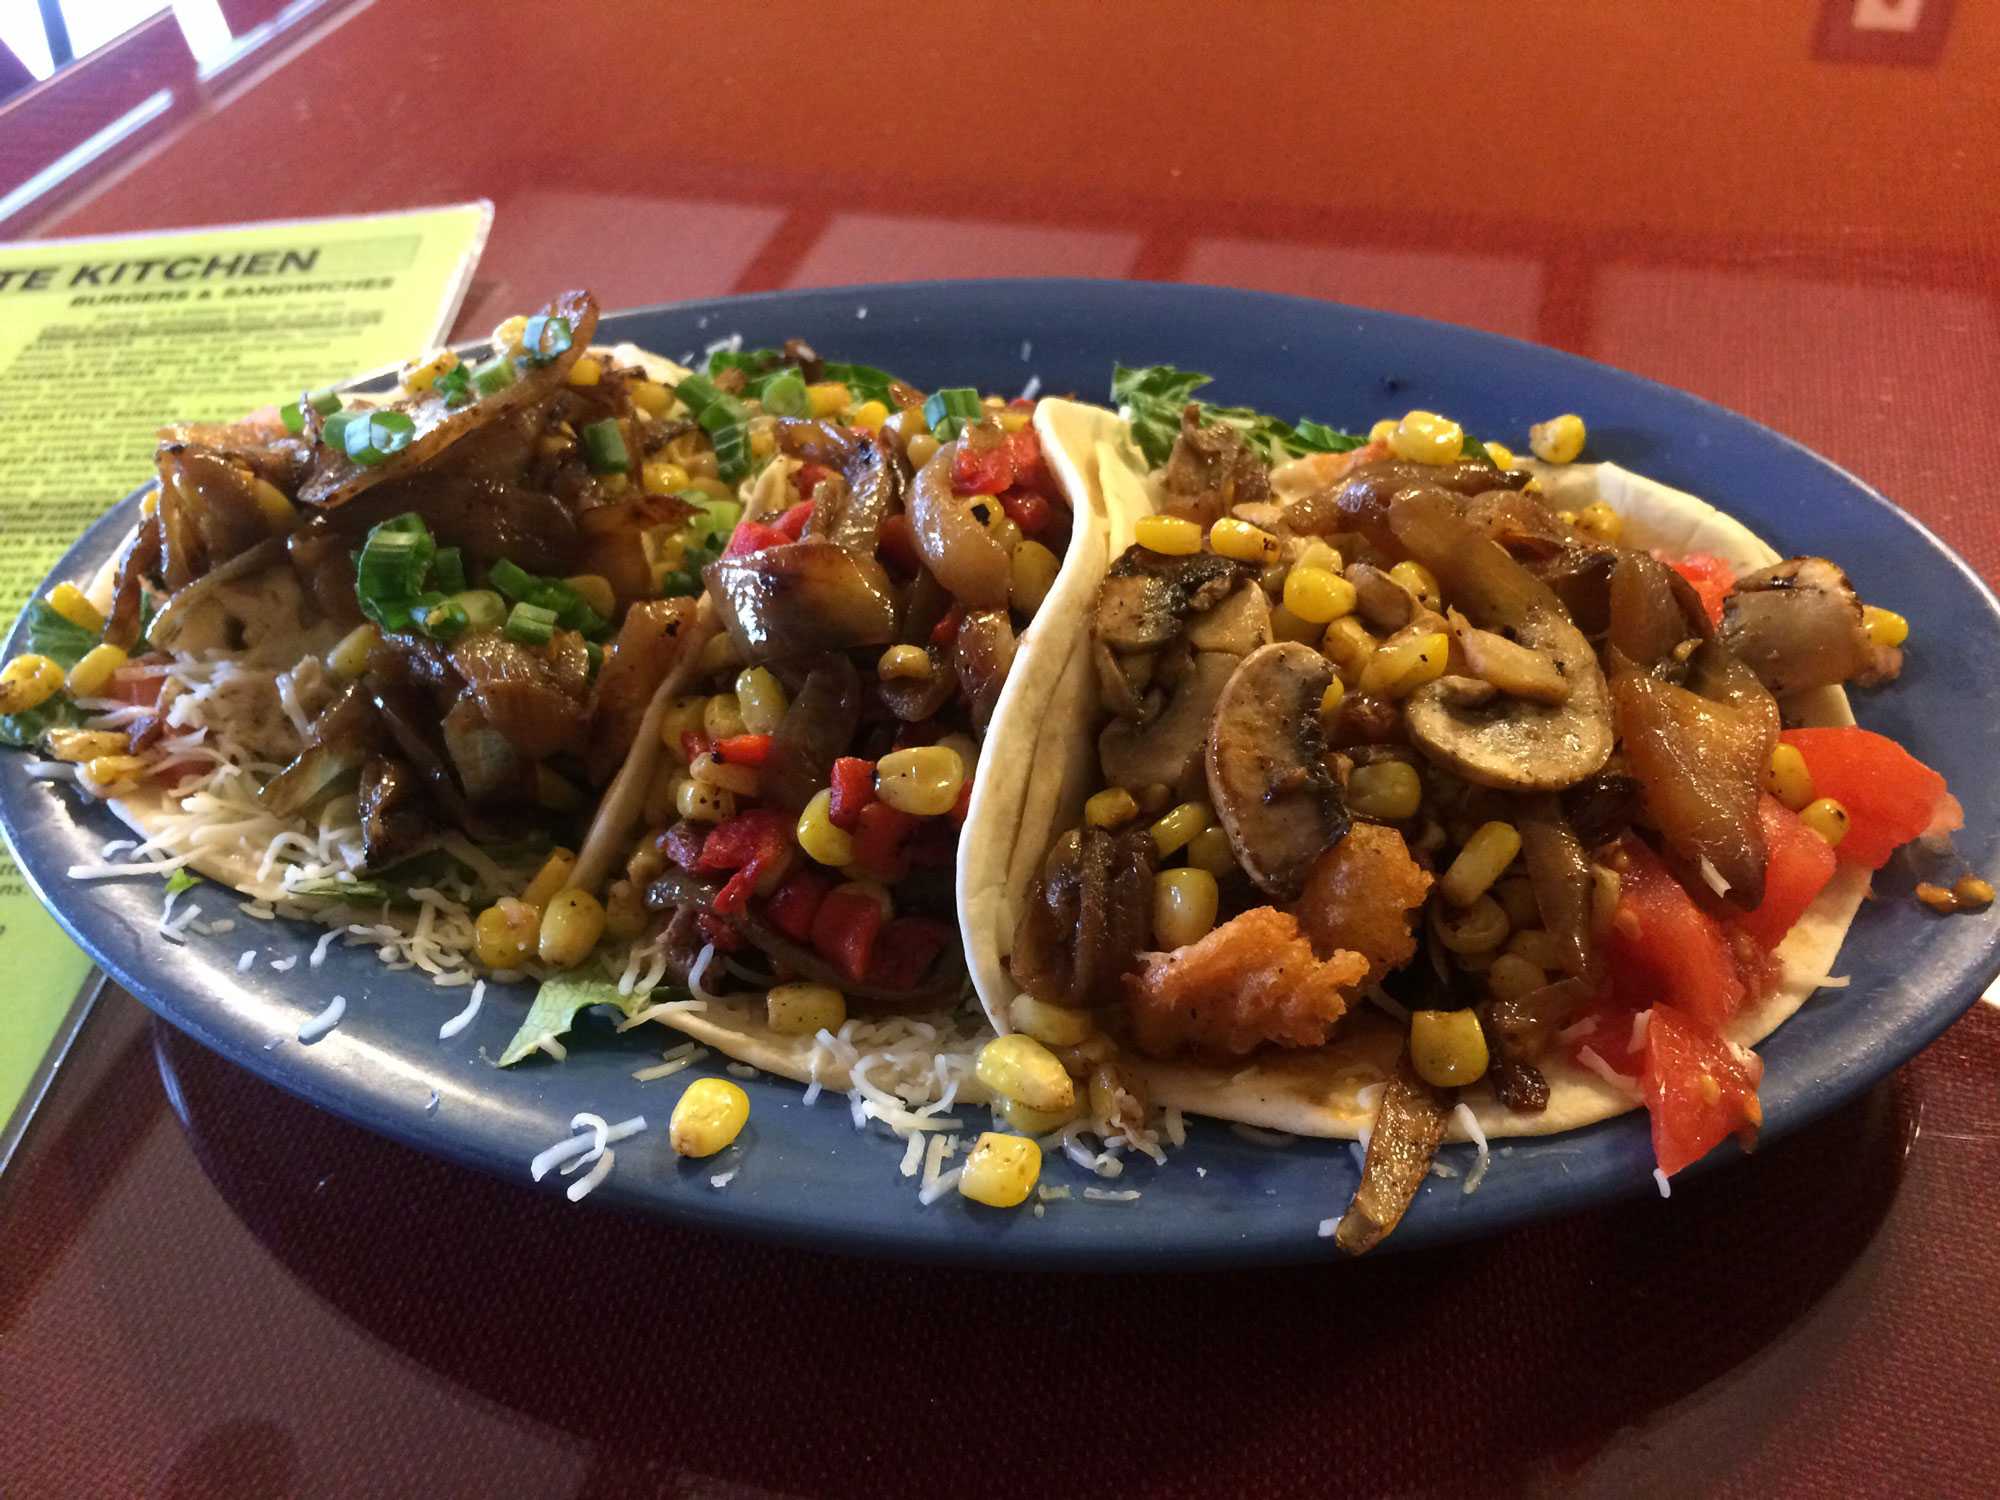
{"x":807,"y":478}
{"x":1664,"y":949}
{"x":1800,"y":864}
{"x":853,"y":789}
{"x":1891,"y":797}
{"x":131,"y":688}
{"x":905,"y":951}
{"x":880,"y":834}
{"x":749,"y":844}
{"x":897,"y":544}
{"x":1027,"y":510}
{"x":844,"y":930}
{"x":1699,"y":1089}
{"x":1711,"y":576}
{"x":945,"y":632}
{"x":793,"y":522}
{"x":979,"y":468}
{"x":753,"y":536}
{"x":745,"y":749}
{"x":794,"y":904}
{"x":1608,"y":1033}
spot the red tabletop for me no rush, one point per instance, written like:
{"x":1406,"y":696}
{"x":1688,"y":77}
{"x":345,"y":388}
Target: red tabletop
{"x":209,"y":1288}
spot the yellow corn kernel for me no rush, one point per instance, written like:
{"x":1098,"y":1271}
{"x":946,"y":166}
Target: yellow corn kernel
{"x":1827,"y":818}
{"x":67,"y":600}
{"x":1405,"y":663}
{"x":1599,"y":520}
{"x":1447,"y":1048}
{"x":1382,"y":431}
{"x":349,"y":657}
{"x":1788,"y":779}
{"x":1884,"y":626}
{"x":1483,"y":860}
{"x":1331,"y":699}
{"x":594,"y":589}
{"x":662,"y":476}
{"x":1478,"y":928}
{"x":93,"y":670}
{"x":1209,"y":850}
{"x":804,"y":1009}
{"x":1170,"y":536}
{"x":823,"y":840}
{"x":1424,"y":437}
{"x":762,"y":443}
{"x":699,"y":803}
{"x":571,"y":926}
{"x":1516,"y":895}
{"x":1501,"y":455}
{"x":28,"y":681}
{"x":761,"y":700}
{"x":829,"y":398}
{"x":1605,"y":888}
{"x":722,"y":717}
{"x":507,"y":337}
{"x":924,"y":780}
{"x":869,"y":416}
{"x":1184,"y":903}
{"x":79,"y":745}
{"x":1117,"y":1098}
{"x":586,"y":371}
{"x":1081,"y":1060}
{"x":708,"y":1117}
{"x":1537,"y":945}
{"x":1511,"y":976}
{"x":693,"y":452}
{"x":1388,"y":791}
{"x":1286,"y":626}
{"x":650,"y":397}
{"x":683,"y":716}
{"x":1031,"y":1121}
{"x":149,"y":503}
{"x":1349,"y":646}
{"x":1318,"y":595}
{"x":1013,"y":419}
{"x":712,"y":770}
{"x":904,"y":664}
{"x":1019,"y":1067}
{"x":1110,"y":808}
{"x":663,"y":792}
{"x":921,"y":449}
{"x":554,"y":792}
{"x":504,"y":935}
{"x":1031,"y":573}
{"x":1178,"y":825}
{"x":549,"y":879}
{"x":1558,"y":440}
{"x":624,"y":911}
{"x":1419,"y":580}
{"x":1051,"y":1025}
{"x":1243,"y":542}
{"x":1320,"y":555}
{"x":420,"y":375}
{"x":719,"y":654}
{"x":108,"y":771}
{"x":1001,"y":1171}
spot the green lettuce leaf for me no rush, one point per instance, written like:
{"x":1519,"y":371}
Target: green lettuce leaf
{"x":558,"y":1001}
{"x":1153,"y":396}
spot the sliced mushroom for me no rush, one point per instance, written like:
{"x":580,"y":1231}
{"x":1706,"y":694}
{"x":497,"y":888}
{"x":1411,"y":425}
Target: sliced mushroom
{"x":1147,"y":599}
{"x":1361,"y":501}
{"x":1238,"y":625}
{"x":1559,"y":870}
{"x":802,"y":599}
{"x":1408,"y":1129}
{"x":852,"y":517}
{"x":1086,"y":917}
{"x":1651,"y":620}
{"x":1797,"y":625}
{"x":1379,"y":599}
{"x":981,"y":657}
{"x":1513,"y":744}
{"x":395,"y":814}
{"x":1166,"y":750}
{"x":1509,"y":666}
{"x":1267,"y":774}
{"x":817,"y":728}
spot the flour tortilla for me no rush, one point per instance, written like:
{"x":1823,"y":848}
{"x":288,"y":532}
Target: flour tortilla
{"x":1316,"y":1092}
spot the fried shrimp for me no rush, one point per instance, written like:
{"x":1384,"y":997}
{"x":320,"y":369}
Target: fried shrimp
{"x":1252,"y":980}
{"x":1359,"y":898}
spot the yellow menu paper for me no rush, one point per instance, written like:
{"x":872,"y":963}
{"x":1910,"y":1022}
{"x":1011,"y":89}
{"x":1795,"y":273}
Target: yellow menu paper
{"x":102,"y":341}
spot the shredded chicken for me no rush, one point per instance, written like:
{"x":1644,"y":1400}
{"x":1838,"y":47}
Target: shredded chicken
{"x":1361,"y":896}
{"x":1252,"y":980}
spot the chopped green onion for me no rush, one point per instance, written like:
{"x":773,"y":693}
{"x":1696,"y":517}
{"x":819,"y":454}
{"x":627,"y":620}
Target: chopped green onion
{"x":446,"y":621}
{"x":389,"y":574}
{"x":784,"y":395}
{"x":334,"y":433}
{"x":455,"y":385}
{"x":293,"y":418}
{"x":726,"y":421}
{"x":698,"y":393}
{"x":448,"y":571}
{"x":604,"y":447}
{"x":595,"y":653}
{"x":680,"y":583}
{"x":484,"y":609}
{"x":494,"y":376}
{"x":950,"y":409}
{"x":513,"y":580}
{"x":713,"y":519}
{"x":545,"y":338}
{"x":864,"y":381}
{"x":326,"y":403}
{"x":371,"y":436}
{"x":531,"y":625}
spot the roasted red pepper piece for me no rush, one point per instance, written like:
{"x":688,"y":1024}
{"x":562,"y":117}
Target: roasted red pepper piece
{"x":945,"y":632}
{"x":963,"y":805}
{"x":745,"y":749}
{"x":719,"y":932}
{"x":694,"y":744}
{"x":880,"y":834}
{"x":808,"y":476}
{"x":1030,"y":472}
{"x":682,"y":843}
{"x":853,"y":789}
{"x":933,"y":845}
{"x":794,"y":904}
{"x":983,"y":467}
{"x":905,"y":951}
{"x":844,"y":930}
{"x":1027,"y":510}
{"x":749,"y":843}
{"x":898,"y":545}
{"x":793,"y":522}
{"x":753,"y":536}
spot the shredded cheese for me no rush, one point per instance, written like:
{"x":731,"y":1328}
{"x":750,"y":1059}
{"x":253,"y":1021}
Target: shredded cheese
{"x":318,"y":1026}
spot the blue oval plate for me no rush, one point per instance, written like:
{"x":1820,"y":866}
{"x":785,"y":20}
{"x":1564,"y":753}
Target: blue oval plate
{"x":805,"y":1174}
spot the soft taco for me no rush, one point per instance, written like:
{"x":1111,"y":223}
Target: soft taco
{"x":1410,"y":793}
